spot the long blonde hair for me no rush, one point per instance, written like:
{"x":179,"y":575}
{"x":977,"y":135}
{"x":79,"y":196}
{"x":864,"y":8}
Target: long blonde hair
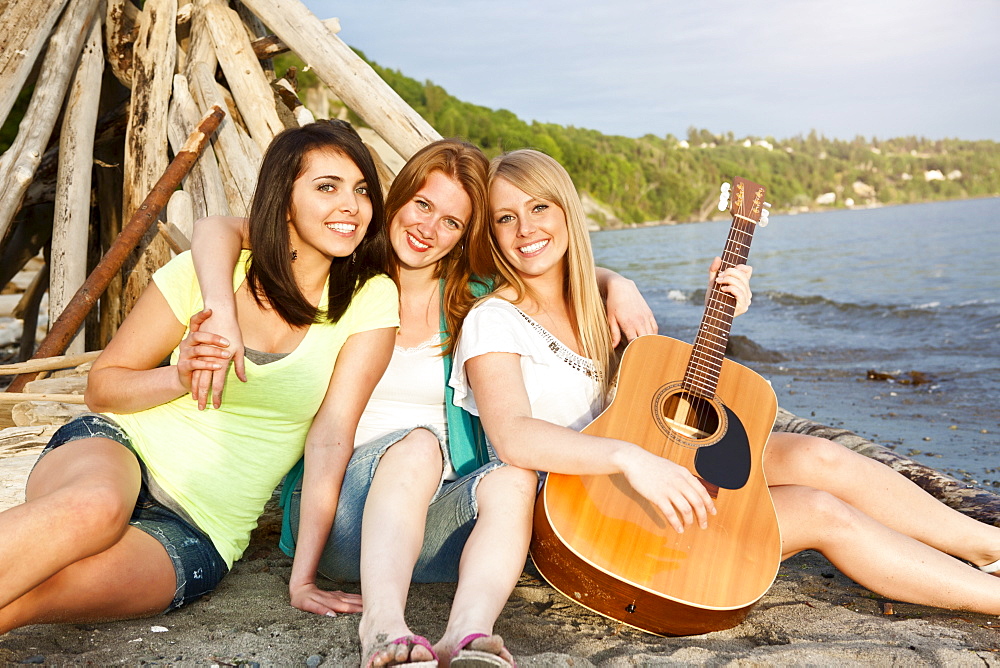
{"x":541,"y":176}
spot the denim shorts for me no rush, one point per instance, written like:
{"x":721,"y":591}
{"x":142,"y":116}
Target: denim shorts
{"x":450,"y":517}
{"x":197,"y":564}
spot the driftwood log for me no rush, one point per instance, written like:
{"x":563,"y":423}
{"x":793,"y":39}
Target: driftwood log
{"x":66,"y":327}
{"x":119,"y":20}
{"x":24,"y":32}
{"x":19,"y":162}
{"x":204,"y":182}
{"x":71,"y":223}
{"x":350,"y":77}
{"x":250,"y":88}
{"x":145,"y":149}
{"x":238,"y":163}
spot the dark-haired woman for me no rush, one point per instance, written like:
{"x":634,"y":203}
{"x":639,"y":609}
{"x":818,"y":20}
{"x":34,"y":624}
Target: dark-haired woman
{"x":145,"y":506}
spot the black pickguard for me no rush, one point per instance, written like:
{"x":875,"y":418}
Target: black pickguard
{"x":726,"y":463}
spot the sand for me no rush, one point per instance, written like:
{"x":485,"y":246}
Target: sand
{"x":812,"y":615}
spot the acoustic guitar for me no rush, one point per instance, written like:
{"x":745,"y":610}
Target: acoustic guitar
{"x":601,"y":544}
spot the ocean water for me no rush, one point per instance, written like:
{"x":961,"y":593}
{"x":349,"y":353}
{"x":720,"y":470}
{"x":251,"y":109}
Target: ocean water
{"x":882,"y":321}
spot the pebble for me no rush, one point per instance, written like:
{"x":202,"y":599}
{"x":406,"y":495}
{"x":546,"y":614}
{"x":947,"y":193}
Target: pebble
{"x":314,"y":660}
{"x":37,"y":658}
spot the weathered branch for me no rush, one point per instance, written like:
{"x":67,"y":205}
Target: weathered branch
{"x":239,"y":168}
{"x":120,"y":17}
{"x":7,"y":399}
{"x":350,"y":77}
{"x":24,"y":30}
{"x":63,"y":330}
{"x":48,"y":363}
{"x":70,"y":226}
{"x":19,"y":162}
{"x":271,"y":45}
{"x":249,"y":86}
{"x":145,"y":150}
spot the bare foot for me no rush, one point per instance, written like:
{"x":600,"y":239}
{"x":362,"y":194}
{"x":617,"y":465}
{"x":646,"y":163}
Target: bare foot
{"x":409,"y":650}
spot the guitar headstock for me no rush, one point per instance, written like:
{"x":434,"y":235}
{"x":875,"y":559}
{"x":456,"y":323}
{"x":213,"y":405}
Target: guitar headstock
{"x":745,"y":200}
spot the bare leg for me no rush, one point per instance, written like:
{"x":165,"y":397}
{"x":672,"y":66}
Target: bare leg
{"x":79,"y":500}
{"x":133,"y":578}
{"x":492,"y":560}
{"x":879,"y":492}
{"x":392,"y":533}
{"x":877,"y":557}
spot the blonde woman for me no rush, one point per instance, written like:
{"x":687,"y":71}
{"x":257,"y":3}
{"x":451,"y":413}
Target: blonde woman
{"x":533,"y":362}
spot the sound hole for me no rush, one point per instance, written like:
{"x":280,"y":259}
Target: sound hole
{"x":689,"y":415}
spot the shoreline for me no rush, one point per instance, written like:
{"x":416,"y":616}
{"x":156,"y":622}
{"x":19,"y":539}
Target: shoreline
{"x":723,"y":217}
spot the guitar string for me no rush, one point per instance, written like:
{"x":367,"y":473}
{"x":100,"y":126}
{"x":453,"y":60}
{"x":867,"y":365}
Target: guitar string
{"x":707,"y":357}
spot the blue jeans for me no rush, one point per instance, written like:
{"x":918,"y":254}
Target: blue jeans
{"x":450,"y":517}
{"x":198,"y":566}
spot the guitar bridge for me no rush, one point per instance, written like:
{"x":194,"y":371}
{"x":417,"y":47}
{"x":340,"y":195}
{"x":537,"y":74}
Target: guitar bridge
{"x":713,"y":489}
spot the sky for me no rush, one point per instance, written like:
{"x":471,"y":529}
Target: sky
{"x":778,"y":68}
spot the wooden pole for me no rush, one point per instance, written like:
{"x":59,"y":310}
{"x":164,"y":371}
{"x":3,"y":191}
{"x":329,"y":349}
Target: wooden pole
{"x":24,"y":30}
{"x":65,"y":328}
{"x":250,"y":88}
{"x":48,"y":363}
{"x":71,"y":223}
{"x":350,"y":77}
{"x":271,"y":45}
{"x":153,"y":66}
{"x":239,"y":161}
{"x":19,"y":162}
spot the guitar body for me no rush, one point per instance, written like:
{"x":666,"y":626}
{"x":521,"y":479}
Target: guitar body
{"x":605,"y":547}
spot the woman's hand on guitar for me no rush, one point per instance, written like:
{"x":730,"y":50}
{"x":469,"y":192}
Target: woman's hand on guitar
{"x":734,"y":281}
{"x":670,"y":487}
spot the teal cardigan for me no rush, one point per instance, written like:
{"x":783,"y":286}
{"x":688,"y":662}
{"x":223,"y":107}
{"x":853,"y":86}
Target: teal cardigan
{"x":466,"y":439}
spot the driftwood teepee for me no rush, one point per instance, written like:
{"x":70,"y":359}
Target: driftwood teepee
{"x":117,"y":91}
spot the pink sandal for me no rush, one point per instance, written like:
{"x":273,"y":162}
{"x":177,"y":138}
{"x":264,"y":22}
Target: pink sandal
{"x":462,"y":657}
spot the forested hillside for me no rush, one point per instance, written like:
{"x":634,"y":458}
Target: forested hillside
{"x":670,"y":178}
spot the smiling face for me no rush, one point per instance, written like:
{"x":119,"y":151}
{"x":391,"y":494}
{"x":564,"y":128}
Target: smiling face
{"x":431,"y":223}
{"x":330,"y":207}
{"x":531,"y":232}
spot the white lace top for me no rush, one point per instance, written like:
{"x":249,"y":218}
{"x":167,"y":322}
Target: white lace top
{"x":562,"y":386}
{"x":410,"y":393}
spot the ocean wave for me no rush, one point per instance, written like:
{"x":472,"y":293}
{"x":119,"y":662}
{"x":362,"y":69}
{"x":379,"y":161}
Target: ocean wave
{"x":982,"y":309}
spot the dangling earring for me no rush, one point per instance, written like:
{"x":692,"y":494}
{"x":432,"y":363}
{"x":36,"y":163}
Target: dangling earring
{"x":295,"y":255}
{"x":354,"y":257}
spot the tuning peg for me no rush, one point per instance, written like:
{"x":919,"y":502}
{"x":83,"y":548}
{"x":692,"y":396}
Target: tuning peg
{"x":724,"y":196}
{"x":764,"y":213}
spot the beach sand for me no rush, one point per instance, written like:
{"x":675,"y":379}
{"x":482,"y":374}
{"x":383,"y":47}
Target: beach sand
{"x":812,"y":615}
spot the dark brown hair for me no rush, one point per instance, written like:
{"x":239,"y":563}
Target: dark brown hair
{"x":270,"y":276}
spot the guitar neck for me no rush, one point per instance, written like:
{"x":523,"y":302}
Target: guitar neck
{"x":702,"y":374}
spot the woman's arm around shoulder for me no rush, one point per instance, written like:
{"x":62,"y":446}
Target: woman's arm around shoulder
{"x":215,"y":248}
{"x":629,"y":315}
